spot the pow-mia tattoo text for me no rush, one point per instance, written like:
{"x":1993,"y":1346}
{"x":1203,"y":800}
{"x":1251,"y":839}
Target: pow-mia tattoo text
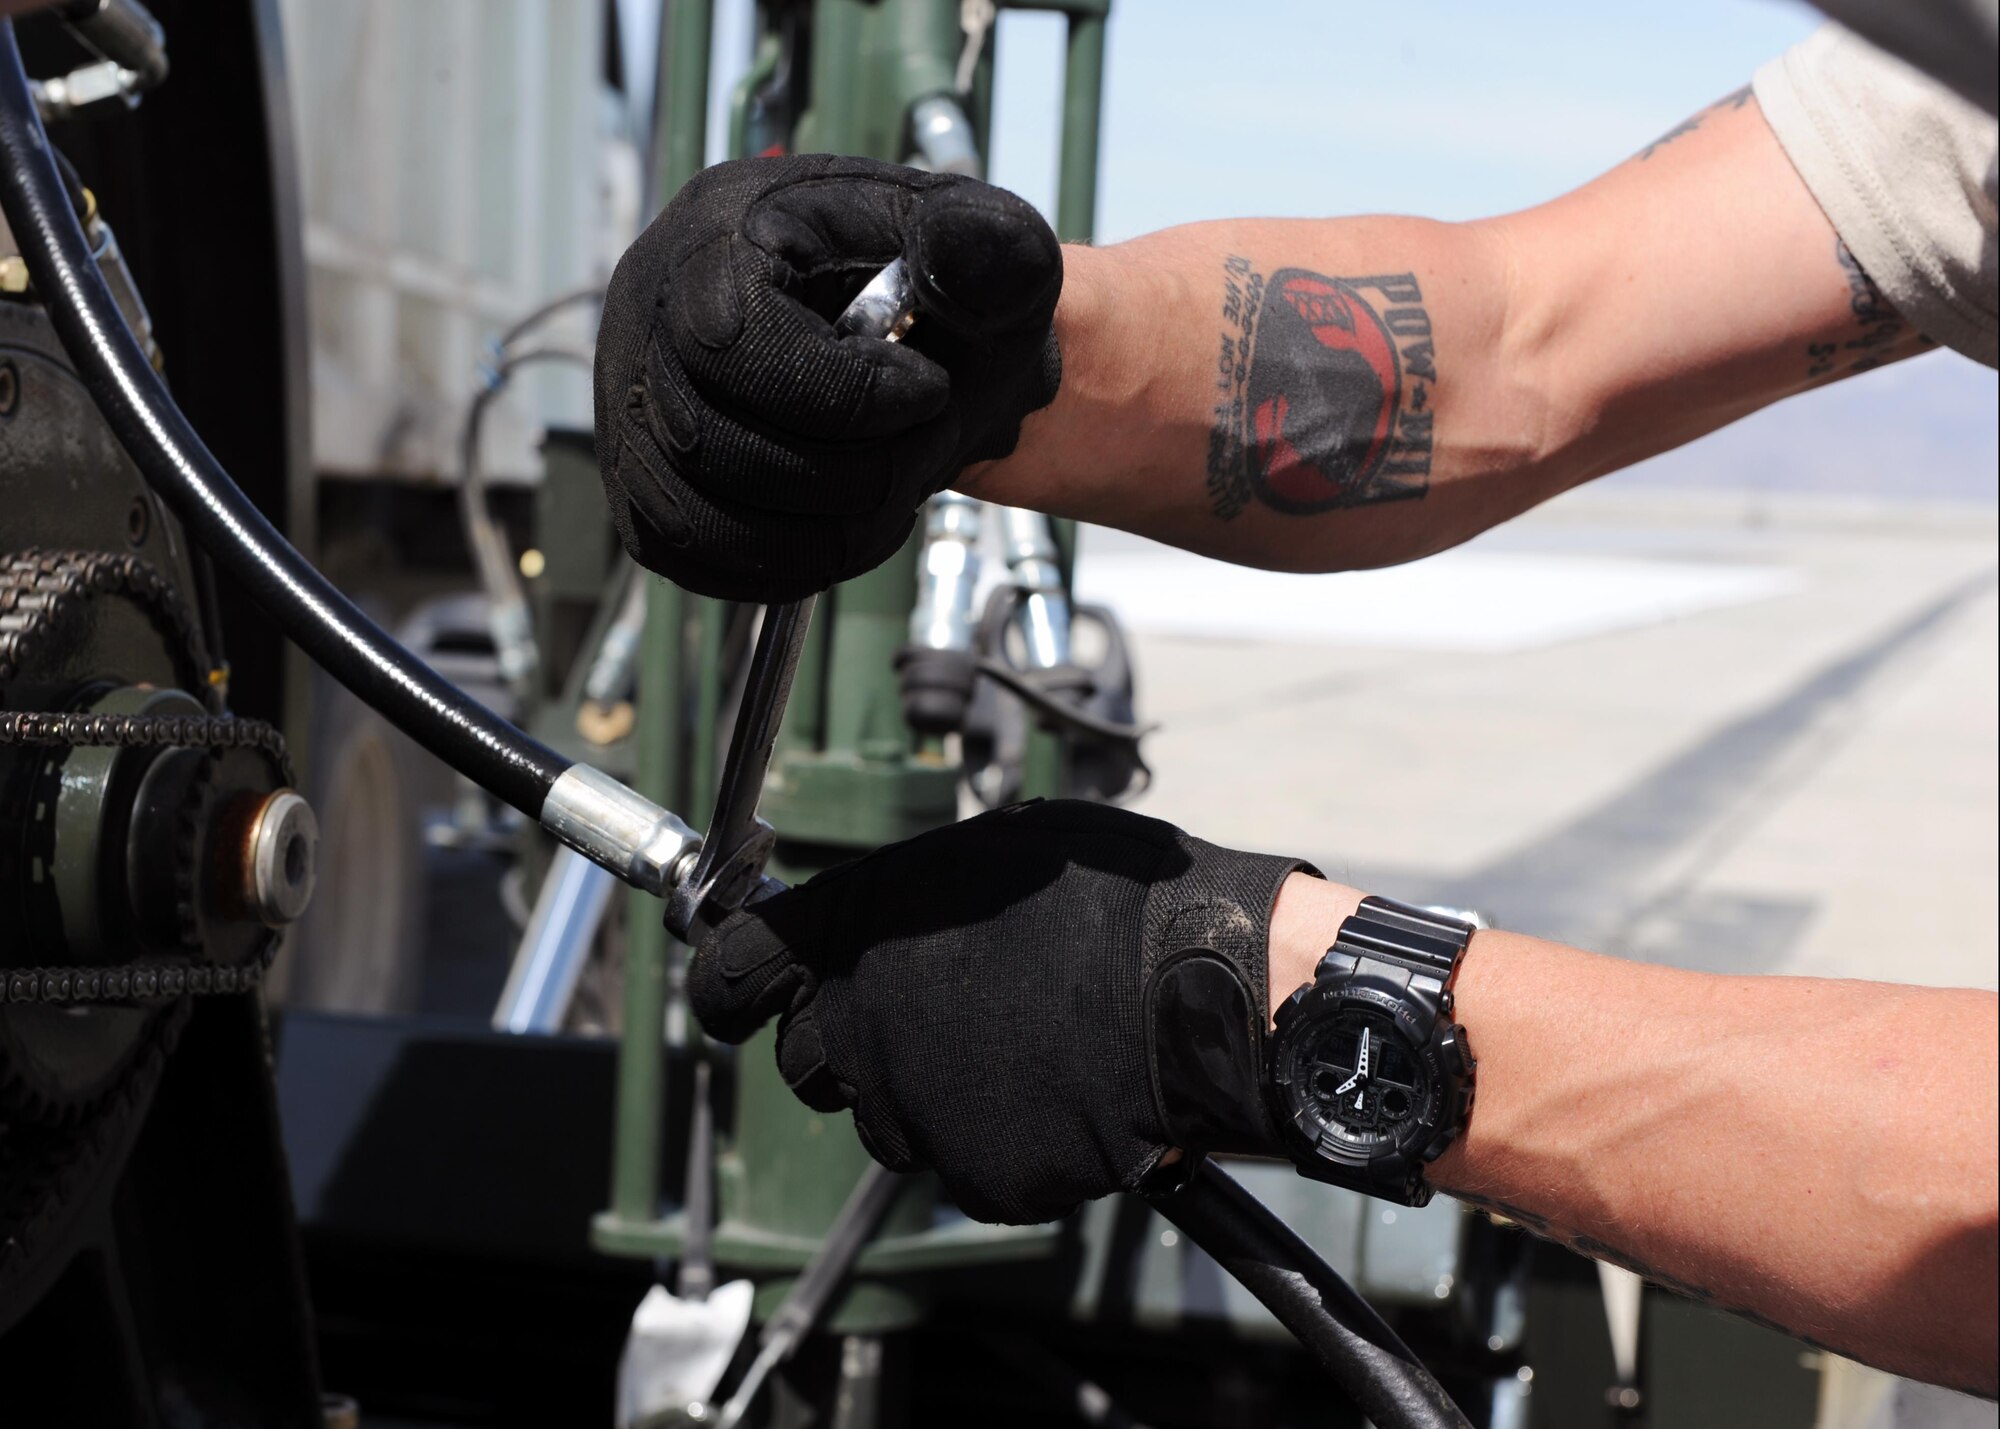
{"x":1324,"y":391}
{"x":1735,"y":99}
{"x":1877,"y":326}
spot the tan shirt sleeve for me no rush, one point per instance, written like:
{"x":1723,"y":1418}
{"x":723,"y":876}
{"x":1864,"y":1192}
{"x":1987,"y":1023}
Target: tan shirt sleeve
{"x":1905,"y":170}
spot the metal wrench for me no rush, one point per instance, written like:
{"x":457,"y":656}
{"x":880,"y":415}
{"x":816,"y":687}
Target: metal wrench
{"x":728,"y":869}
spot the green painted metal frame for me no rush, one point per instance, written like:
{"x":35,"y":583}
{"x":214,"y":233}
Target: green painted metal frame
{"x":682,"y":112}
{"x":848,"y":775}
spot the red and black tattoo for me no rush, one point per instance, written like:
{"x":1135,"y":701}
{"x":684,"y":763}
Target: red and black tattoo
{"x":1324,"y":392}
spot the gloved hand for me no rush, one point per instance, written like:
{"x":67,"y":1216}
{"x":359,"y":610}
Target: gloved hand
{"x":1037,"y":1002}
{"x":746,"y":451}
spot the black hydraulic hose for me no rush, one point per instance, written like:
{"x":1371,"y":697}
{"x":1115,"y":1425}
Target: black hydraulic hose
{"x":1336,"y":1326}
{"x":1349,"y":1340}
{"x":72,"y":184}
{"x":181,"y":469}
{"x":1022,"y":684}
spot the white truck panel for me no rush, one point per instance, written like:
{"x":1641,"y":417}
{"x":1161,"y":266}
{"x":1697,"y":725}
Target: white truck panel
{"x":460,"y":162}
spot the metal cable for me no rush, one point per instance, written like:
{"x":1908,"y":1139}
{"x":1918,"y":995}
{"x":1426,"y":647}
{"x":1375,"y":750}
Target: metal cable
{"x":509,"y":619}
{"x":537,"y":316}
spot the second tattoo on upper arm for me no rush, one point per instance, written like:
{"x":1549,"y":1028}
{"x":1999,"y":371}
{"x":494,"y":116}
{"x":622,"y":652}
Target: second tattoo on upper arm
{"x":1877,"y":326}
{"x":1735,"y":99}
{"x":1324,"y":391}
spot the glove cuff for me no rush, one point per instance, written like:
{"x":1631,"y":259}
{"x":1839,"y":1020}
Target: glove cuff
{"x":1206,"y":998}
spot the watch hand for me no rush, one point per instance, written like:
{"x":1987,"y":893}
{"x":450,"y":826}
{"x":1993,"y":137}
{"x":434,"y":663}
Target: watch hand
{"x":1347,"y":1086}
{"x":1361,"y":1064}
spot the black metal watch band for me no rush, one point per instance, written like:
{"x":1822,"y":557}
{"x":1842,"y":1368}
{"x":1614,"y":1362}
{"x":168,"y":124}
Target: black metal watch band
{"x":1424,"y":946}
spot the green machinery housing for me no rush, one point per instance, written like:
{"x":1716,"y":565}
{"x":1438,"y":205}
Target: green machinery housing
{"x":849,"y":774}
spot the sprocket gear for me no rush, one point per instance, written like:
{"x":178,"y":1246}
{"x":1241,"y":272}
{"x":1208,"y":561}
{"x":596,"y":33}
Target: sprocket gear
{"x":161,"y":829}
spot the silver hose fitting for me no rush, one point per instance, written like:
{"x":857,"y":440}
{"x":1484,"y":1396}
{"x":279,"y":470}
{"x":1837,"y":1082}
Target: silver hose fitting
{"x":619,"y":829}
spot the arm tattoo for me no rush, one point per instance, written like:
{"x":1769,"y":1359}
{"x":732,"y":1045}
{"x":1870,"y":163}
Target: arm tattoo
{"x":1735,"y":99}
{"x":1323,"y":392}
{"x":1877,"y":326}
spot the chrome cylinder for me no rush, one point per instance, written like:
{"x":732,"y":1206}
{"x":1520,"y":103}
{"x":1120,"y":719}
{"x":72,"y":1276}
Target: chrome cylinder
{"x":944,"y":137}
{"x":1043,"y":614}
{"x":568,"y":910}
{"x":948,"y":573}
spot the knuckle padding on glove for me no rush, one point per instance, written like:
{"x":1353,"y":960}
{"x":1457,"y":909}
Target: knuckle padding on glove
{"x":750,"y":453}
{"x":1207,"y":980}
{"x":983,"y":262}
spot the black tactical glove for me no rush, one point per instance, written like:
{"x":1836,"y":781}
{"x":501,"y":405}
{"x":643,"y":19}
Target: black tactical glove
{"x":1037,"y":1002}
{"x":747,"y":452}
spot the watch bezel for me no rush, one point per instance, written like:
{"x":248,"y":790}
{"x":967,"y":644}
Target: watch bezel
{"x":1433,"y":1040}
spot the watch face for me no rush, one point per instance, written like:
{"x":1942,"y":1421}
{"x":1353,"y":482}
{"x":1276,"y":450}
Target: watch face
{"x":1355,"y":1085}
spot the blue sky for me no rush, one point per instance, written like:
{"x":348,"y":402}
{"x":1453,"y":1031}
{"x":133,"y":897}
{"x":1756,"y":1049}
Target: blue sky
{"x":1447,"y":108}
{"x":1452,"y":109}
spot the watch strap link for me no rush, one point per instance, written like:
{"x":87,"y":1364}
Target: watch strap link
{"x":1418,"y":941}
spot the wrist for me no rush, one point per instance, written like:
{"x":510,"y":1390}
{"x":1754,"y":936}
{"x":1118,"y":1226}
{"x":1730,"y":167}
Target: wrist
{"x":1304,"y":923}
{"x":1075,"y":457}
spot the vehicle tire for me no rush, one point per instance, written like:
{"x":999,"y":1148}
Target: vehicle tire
{"x":359,"y":947}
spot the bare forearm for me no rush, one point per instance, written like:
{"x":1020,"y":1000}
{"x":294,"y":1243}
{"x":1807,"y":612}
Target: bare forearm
{"x":1328,"y":394}
{"x":1381,"y":395}
{"x":1817,"y":1155}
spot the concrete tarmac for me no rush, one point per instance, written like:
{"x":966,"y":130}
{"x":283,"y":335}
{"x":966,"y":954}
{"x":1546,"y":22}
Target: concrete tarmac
{"x":1760,"y":737}
{"x":1749,"y":733}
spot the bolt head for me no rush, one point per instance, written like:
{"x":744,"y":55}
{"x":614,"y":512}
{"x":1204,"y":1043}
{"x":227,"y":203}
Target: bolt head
{"x":281,"y":858}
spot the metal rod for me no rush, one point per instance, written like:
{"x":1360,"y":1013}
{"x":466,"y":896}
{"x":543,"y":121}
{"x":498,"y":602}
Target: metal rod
{"x":1043,"y":613}
{"x":679,"y":141}
{"x":568,"y":912}
{"x":610,"y":676}
{"x":1045,"y":760}
{"x":635,"y":1166}
{"x":947,"y":573}
{"x":1083,"y":90}
{"x":697,"y":1268}
{"x":675,"y":150}
{"x":805,"y":1304}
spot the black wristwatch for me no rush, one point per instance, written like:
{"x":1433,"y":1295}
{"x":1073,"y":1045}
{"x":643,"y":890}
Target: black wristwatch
{"x":1369,"y":1078}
